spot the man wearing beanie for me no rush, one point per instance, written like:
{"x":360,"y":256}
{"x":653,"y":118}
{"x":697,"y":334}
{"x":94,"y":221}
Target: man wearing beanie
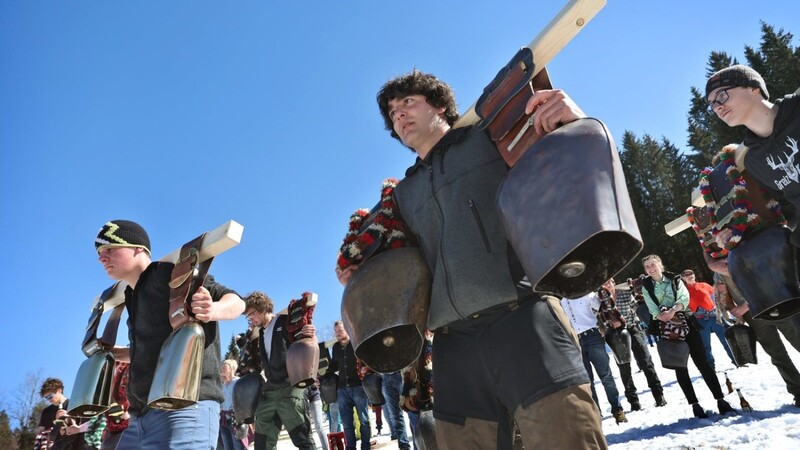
{"x":739,"y":96}
{"x":124,"y":251}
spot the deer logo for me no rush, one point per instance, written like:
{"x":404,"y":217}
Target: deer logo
{"x":789,"y":166}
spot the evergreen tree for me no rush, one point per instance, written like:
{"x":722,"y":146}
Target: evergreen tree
{"x":657,"y":176}
{"x":233,"y":349}
{"x":6,"y":436}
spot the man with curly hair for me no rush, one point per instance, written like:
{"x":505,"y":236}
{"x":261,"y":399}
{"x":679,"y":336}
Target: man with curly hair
{"x":481,"y":303}
{"x":280,"y":403}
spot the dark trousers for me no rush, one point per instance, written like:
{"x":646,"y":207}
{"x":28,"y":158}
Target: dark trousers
{"x":698,"y":353}
{"x":769,"y":338}
{"x":645,"y":363}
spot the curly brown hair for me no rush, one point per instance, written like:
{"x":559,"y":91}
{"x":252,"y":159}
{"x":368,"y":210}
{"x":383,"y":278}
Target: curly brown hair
{"x":51,"y":385}
{"x":259,"y":302}
{"x":436,"y":92}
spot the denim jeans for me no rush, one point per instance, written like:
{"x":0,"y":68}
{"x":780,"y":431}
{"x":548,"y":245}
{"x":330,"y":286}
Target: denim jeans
{"x":349,"y":398}
{"x":228,"y":435}
{"x":710,"y":324}
{"x":593,"y":349}
{"x":194,"y":427}
{"x":392,"y":387}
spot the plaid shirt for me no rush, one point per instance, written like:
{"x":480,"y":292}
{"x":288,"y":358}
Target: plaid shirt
{"x":627,"y":307}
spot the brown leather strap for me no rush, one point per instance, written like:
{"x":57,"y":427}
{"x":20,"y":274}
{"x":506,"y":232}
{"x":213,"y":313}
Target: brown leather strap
{"x":187,"y":276}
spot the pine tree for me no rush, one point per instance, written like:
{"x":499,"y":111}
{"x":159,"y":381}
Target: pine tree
{"x":233,"y":349}
{"x":6,"y":436}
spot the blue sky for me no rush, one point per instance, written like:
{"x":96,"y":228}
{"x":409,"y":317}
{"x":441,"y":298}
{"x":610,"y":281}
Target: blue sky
{"x":182,"y":115}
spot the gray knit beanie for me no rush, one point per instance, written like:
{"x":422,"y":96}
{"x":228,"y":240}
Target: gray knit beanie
{"x":736,"y":76}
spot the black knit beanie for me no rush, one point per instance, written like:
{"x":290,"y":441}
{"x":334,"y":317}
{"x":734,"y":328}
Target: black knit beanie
{"x":735,"y":76}
{"x":122,"y":233}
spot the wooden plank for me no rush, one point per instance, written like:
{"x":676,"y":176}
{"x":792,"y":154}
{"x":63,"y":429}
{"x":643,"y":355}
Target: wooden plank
{"x":219,"y":240}
{"x":555,"y":36}
{"x":677,"y":225}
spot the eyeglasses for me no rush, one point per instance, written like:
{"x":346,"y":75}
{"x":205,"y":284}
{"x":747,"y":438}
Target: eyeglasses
{"x":48,"y":397}
{"x":719,"y":99}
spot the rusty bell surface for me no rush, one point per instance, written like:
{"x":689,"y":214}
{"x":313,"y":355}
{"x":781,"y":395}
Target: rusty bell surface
{"x":385,"y":308}
{"x":566,"y":210}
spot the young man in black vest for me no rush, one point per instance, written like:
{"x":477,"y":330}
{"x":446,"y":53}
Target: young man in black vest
{"x":123,"y":249}
{"x":280,"y":403}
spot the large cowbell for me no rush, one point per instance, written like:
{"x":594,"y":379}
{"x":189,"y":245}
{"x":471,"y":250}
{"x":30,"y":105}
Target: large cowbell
{"x":91,"y":393}
{"x":764,"y":266}
{"x":619,"y":340}
{"x":246,"y":392}
{"x":176,"y":383}
{"x":742,"y":341}
{"x":302,"y":361}
{"x":567,"y":213}
{"x":385,"y":308}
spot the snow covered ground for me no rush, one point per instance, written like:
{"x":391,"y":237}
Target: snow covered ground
{"x":773,"y":424}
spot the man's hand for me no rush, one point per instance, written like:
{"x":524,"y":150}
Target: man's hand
{"x":308,"y":331}
{"x":723,"y":237}
{"x":202,"y":305}
{"x":345,"y":275}
{"x":739,"y":311}
{"x":551,"y":109}
{"x":73,"y":429}
{"x":667,"y":315}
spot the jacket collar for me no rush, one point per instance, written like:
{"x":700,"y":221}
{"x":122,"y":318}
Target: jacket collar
{"x":453,"y":136}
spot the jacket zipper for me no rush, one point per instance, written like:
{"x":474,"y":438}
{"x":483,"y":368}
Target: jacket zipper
{"x":479,"y":222}
{"x":448,"y":282}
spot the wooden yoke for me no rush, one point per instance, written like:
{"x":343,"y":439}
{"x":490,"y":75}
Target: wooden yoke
{"x":555,"y":36}
{"x":217,"y":241}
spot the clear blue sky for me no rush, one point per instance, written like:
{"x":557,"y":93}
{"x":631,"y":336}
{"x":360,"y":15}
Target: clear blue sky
{"x":182,"y":115}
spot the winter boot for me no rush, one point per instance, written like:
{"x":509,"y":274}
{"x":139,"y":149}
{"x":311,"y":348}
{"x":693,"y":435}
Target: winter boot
{"x":699,"y":412}
{"x":636,"y":406}
{"x":660,"y":401}
{"x":725,"y":407}
{"x":619,"y":414}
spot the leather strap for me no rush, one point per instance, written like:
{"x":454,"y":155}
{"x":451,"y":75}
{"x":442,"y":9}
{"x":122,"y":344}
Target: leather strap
{"x":91,"y":344}
{"x":187,"y":276}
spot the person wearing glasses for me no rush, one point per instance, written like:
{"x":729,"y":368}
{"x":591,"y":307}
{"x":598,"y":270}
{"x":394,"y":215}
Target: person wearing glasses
{"x":65,"y":433}
{"x":703,"y":306}
{"x":738,"y":96}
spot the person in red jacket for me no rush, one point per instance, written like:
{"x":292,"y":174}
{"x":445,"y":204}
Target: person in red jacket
{"x":701,"y":302}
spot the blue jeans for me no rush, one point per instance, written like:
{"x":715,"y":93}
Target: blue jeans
{"x":413,"y":418}
{"x":228,"y":435}
{"x":194,"y":427}
{"x":593,"y":350}
{"x":392,"y":387}
{"x":349,"y":398}
{"x":710,"y":324}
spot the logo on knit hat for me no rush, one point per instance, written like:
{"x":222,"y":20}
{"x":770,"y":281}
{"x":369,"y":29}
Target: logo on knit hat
{"x":122,"y":233}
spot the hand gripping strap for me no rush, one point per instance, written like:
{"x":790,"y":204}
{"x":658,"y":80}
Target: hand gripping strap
{"x":187,"y":276}
{"x":502,"y":105}
{"x":299,"y":314}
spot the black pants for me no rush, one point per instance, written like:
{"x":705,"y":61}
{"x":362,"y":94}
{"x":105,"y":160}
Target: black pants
{"x":698,"y":353}
{"x":645,"y":363}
